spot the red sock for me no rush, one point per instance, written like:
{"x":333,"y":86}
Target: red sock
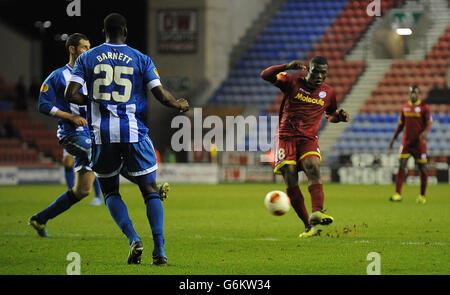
{"x":317,"y":196}
{"x":401,"y":176}
{"x":423,"y":182}
{"x":298,"y":203}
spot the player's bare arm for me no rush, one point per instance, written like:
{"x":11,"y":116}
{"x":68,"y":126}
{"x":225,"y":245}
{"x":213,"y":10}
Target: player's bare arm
{"x":270,"y":74}
{"x":167,"y":99}
{"x":72,"y":94}
{"x":423,"y":135}
{"x":295,"y":65}
{"x":396,"y":133}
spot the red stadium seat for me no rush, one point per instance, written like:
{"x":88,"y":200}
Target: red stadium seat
{"x":10,"y":143}
{"x":392,"y":90}
{"x":18,"y":156}
{"x":339,"y":39}
{"x":439,"y":108}
{"x":365,"y":108}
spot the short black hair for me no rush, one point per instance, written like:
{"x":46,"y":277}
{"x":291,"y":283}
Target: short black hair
{"x":319,"y":60}
{"x":74,"y":40}
{"x":114,"y":24}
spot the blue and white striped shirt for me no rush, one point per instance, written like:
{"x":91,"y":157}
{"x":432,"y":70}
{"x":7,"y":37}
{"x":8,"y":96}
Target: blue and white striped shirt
{"x":117,"y":78}
{"x":51,"y":99}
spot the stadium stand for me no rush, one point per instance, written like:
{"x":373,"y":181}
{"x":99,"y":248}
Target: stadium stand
{"x":339,"y":38}
{"x":372,"y":129}
{"x":290,"y":35}
{"x":30,"y":138}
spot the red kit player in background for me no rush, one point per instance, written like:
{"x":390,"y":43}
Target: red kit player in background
{"x":305,"y":100}
{"x":416,"y":121}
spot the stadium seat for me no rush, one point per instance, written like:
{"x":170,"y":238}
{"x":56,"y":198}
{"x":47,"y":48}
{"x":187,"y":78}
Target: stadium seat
{"x":10,"y":143}
{"x":19,"y":156}
{"x":380,"y":113}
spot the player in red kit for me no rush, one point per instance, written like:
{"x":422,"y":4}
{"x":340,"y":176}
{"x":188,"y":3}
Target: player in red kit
{"x":415,"y":119}
{"x":305,"y":100}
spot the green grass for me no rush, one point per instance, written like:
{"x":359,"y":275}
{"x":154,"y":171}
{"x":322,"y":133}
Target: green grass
{"x":225,"y":229}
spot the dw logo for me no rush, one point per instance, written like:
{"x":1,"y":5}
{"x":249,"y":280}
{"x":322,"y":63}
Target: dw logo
{"x":74,"y":8}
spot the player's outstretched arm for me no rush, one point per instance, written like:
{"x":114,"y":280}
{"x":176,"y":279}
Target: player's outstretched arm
{"x":270,"y":74}
{"x":295,"y":65}
{"x":72,"y":93}
{"x":167,"y":99}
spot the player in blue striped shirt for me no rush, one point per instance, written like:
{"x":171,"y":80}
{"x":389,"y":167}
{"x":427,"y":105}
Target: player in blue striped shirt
{"x":73,"y":134}
{"x":119,"y":79}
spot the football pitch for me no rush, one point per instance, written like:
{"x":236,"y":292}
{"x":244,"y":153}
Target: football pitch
{"x":225,"y":230}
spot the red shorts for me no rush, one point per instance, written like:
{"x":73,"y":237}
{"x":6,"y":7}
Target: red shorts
{"x":417,"y":150}
{"x":292,"y":150}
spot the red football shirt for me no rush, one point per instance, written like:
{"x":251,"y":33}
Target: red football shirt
{"x":302,"y":107}
{"x":416,"y":118}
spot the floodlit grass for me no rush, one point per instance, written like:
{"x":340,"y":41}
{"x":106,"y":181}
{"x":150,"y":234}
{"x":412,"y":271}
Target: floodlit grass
{"x":225,"y":229}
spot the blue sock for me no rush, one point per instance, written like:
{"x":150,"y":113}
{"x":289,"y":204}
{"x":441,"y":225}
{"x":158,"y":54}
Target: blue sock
{"x":119,"y":213}
{"x":61,"y":204}
{"x":97,"y":188}
{"x":70,"y":177}
{"x":155,"y":215}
